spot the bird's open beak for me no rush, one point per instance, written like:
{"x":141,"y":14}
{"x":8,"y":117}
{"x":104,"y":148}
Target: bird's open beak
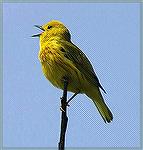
{"x":40,"y":27}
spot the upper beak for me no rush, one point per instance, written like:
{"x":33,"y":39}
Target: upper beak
{"x":40,"y":27}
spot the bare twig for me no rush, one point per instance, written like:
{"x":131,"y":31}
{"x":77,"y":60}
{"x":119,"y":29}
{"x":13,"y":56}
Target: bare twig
{"x":64,"y":118}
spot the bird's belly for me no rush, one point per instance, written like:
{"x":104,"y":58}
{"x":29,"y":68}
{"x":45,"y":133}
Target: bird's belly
{"x":56,"y":71}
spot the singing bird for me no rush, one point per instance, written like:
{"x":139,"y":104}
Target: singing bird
{"x":60,"y":58}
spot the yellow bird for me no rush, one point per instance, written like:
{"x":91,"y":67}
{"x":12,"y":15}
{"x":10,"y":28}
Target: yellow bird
{"x":60,"y":58}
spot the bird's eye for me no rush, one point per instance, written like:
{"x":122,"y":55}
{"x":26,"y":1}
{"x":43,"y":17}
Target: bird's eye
{"x":49,"y":27}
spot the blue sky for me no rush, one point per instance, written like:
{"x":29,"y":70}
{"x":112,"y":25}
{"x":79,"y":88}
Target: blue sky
{"x":108,"y":34}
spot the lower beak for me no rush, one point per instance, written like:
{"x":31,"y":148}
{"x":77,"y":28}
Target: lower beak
{"x":36,"y":35}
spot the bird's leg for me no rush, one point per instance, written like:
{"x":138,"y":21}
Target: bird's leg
{"x":72,"y":97}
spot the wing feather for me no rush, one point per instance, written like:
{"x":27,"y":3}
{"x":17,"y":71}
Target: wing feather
{"x":79,"y":59}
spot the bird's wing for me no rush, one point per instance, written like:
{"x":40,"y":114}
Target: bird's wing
{"x":79,"y":59}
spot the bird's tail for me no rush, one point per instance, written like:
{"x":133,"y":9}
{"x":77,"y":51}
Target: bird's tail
{"x":100,"y":104}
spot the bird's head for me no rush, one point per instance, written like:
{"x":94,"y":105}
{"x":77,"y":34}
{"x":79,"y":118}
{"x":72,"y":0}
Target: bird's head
{"x":52,"y":29}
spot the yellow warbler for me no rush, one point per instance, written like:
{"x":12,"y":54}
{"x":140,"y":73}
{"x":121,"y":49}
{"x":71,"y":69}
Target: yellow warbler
{"x":60,"y":58}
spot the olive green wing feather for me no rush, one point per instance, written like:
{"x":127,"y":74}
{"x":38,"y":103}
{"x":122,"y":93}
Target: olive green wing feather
{"x":79,"y":59}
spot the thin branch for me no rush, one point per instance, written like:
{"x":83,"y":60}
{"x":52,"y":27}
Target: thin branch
{"x":64,"y":118}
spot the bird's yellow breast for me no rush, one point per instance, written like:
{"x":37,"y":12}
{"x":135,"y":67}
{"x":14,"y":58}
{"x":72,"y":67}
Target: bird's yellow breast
{"x":55,"y":66}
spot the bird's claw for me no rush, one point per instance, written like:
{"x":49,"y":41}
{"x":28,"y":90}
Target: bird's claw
{"x":61,"y":109}
{"x":66,"y":105}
